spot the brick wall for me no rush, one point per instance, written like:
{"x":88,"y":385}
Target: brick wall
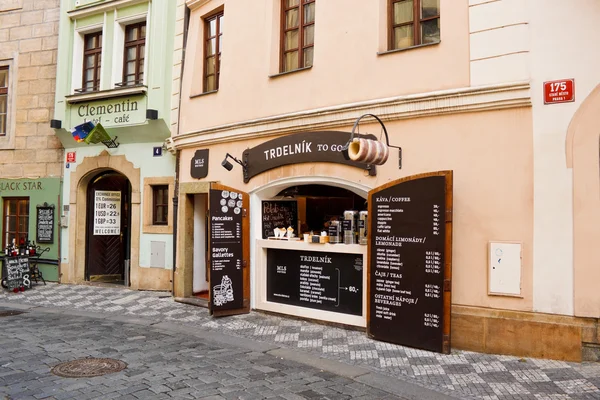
{"x":28,"y":44}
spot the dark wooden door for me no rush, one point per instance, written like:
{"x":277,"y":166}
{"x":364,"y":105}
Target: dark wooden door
{"x":107,"y":228}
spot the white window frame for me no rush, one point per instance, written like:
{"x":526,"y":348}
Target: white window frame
{"x":119,"y":46}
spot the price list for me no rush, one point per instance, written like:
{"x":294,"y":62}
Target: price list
{"x":407,"y":263}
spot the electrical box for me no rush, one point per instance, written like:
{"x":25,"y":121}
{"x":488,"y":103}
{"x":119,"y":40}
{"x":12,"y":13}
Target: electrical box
{"x":157,"y":254}
{"x":504,"y":268}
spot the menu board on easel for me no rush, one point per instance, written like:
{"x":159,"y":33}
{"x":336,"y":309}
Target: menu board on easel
{"x":17,"y":272}
{"x":44,"y":223}
{"x":410,"y":223}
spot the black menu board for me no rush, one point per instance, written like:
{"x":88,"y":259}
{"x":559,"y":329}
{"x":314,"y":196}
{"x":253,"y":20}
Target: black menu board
{"x":320,"y":280}
{"x":226,"y":256}
{"x":408,"y":239}
{"x":277,"y":214}
{"x":17,"y":272}
{"x":44,"y":224}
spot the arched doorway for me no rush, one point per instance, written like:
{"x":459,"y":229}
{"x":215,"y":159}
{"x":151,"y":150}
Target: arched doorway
{"x":108,"y":233}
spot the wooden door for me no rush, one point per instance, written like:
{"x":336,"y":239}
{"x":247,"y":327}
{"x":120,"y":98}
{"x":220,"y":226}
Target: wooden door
{"x":107,"y":228}
{"x":229,"y":251}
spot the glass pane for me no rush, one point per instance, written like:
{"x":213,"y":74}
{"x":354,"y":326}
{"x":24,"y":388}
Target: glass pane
{"x":3,"y":78}
{"x":12,"y":224}
{"x":291,"y":40}
{"x":141,"y":79}
{"x":143,"y":31}
{"x":403,"y":12}
{"x":210,"y":47}
{"x":210,"y":83}
{"x":130,"y":78}
{"x":212,"y":27}
{"x":3,"y":104}
{"x":309,"y":35}
{"x":221,"y":24}
{"x":210,"y":65}
{"x":220,"y":43}
{"x":130,"y":54}
{"x":98,"y":41}
{"x":430,"y":31}
{"x":430,"y":8}
{"x":132,"y":33}
{"x":308,"y":57}
{"x":89,"y":61}
{"x":89,"y":42}
{"x":142,"y":51}
{"x":130,"y":68}
{"x":12,"y":207}
{"x":160,"y":215}
{"x":89,"y":75}
{"x":23,"y":224}
{"x":309,"y":13}
{"x":291,"y":18}
{"x":292,"y":3}
{"x":290,"y":62}
{"x":23,"y":208}
{"x":2,"y":124}
{"x":403,"y":37}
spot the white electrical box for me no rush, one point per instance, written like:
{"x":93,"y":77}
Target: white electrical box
{"x":157,"y":254}
{"x":504,"y":268}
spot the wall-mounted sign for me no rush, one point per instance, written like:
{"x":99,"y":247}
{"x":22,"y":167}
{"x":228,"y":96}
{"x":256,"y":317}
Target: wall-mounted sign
{"x":562,"y":91}
{"x":71,"y":157}
{"x":20,"y":186}
{"x":199,"y":164}
{"x":107,"y":212}
{"x":410,"y":261}
{"x":111,"y":113}
{"x":44,"y":223}
{"x":325,"y":146}
{"x":157,"y":151}
{"x":320,"y":280}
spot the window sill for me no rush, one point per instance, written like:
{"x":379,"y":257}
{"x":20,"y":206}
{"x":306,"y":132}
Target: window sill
{"x":105,"y":94}
{"x":158,"y":229}
{"x":383,"y":53}
{"x":193,"y":96}
{"x":289,"y":72}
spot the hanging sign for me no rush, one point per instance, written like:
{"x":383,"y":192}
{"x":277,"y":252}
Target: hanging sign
{"x":107,"y":212}
{"x":199,"y":164}
{"x":296,"y":148}
{"x":44,"y":224}
{"x":562,"y":91}
{"x":410,"y":261}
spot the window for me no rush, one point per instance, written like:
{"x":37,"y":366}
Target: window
{"x":133,"y":60}
{"x":16,"y":220}
{"x":160,"y":200}
{"x":92,"y":58}
{"x":297,"y":34}
{"x":3,"y":99}
{"x":406,"y":30}
{"x":213,"y":29}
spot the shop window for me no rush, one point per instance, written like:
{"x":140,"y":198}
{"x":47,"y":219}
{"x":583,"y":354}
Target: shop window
{"x":413,"y":23}
{"x":160,"y":204}
{"x":297,"y":34}
{"x":92,"y":60}
{"x":3,"y":100}
{"x":213,"y":41}
{"x":134,"y":56}
{"x":16,"y":221}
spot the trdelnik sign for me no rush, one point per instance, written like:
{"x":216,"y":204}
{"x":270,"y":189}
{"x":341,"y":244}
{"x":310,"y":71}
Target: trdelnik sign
{"x":111,"y":113}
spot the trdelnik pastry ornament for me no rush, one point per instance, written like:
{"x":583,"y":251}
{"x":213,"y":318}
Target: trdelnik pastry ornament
{"x":367,"y":151}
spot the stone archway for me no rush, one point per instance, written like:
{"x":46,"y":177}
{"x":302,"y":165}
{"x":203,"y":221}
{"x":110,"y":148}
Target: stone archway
{"x":583,"y":156}
{"x":74,"y":270}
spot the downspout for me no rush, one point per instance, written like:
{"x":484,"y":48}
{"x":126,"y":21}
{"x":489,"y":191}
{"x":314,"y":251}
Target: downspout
{"x":186,"y":24}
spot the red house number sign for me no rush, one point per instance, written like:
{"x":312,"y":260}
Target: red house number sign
{"x":562,"y":91}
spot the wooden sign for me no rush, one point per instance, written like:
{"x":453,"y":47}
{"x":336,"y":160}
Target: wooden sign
{"x":44,"y":224}
{"x":562,"y":91}
{"x":277,"y":214}
{"x":409,"y":261}
{"x":199,"y":164}
{"x":17,"y":272}
{"x":319,"y":280}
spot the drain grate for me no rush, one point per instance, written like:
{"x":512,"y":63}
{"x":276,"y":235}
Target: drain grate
{"x":88,"y":367}
{"x":10,"y":313}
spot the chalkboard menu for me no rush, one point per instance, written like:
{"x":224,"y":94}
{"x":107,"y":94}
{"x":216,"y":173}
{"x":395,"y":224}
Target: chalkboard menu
{"x":320,"y":280}
{"x":277,"y":214}
{"x":407,"y":301}
{"x":226,"y":258}
{"x":44,"y":224}
{"x":17,"y":272}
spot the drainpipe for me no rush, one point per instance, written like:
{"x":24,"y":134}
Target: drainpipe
{"x":186,"y":24}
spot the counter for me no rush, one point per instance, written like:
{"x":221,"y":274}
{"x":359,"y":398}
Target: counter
{"x":327,"y":282}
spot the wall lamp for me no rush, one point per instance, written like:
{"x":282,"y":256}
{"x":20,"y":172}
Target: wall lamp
{"x":55,"y":123}
{"x":229,"y":166}
{"x":151,"y":114}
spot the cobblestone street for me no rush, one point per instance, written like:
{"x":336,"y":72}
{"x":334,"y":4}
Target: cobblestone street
{"x":178,"y":350}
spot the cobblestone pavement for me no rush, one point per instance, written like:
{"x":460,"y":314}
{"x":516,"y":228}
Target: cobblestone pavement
{"x":462,"y":374}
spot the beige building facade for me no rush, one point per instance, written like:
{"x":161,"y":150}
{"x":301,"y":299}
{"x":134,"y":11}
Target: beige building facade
{"x":459,"y":86}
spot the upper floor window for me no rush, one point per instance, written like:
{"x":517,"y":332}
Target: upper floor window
{"x":213,"y":42}
{"x":298,"y":34}
{"x":3,"y":100}
{"x":92,"y":59}
{"x":414,"y":22}
{"x":133,"y":60}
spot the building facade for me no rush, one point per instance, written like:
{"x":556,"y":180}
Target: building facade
{"x":464,"y":86}
{"x":115,"y":63}
{"x":30,"y":154}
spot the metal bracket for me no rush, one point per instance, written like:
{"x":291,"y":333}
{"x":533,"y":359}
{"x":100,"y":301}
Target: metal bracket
{"x":112,"y":143}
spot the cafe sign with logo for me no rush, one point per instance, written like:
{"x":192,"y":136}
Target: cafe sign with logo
{"x":111,"y":113}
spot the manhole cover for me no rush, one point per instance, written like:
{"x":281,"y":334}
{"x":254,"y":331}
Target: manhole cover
{"x":10,"y":313}
{"x":87,"y":367}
